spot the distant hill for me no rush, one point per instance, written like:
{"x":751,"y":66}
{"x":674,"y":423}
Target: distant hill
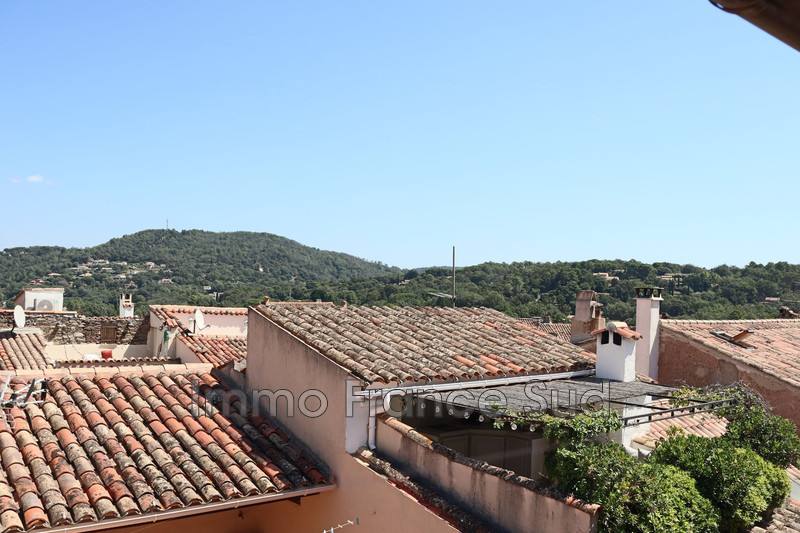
{"x":169,"y":266}
{"x":527,"y":289}
{"x":237,"y":269}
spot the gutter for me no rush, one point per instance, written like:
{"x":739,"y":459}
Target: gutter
{"x":193,"y":511}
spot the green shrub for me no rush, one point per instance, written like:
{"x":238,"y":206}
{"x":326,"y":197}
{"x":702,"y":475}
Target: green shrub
{"x":740,"y":483}
{"x":779,"y":484}
{"x":664,"y":498}
{"x":590,"y":470}
{"x":635,"y":497}
{"x":771,"y":436}
{"x":751,"y":421}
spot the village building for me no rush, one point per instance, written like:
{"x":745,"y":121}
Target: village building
{"x":305,"y":415}
{"x":763,"y":353}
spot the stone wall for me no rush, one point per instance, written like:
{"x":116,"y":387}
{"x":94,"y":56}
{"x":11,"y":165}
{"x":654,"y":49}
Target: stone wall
{"x":72,"y":328}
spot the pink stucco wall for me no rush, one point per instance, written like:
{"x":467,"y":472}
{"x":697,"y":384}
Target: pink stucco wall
{"x":275,"y":361}
{"x":496,"y":495}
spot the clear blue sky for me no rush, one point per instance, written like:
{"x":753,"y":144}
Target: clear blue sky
{"x":530,"y":130}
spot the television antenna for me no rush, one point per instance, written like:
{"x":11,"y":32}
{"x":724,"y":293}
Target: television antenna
{"x":19,"y":317}
{"x":33,"y":392}
{"x":451,"y":297}
{"x":342,"y":526}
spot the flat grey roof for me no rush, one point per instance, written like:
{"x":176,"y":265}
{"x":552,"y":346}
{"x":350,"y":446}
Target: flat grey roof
{"x":557,"y":394}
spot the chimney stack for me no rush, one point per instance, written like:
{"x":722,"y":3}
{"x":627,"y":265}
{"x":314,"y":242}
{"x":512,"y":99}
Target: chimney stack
{"x":126,"y":305}
{"x":616,"y":352}
{"x":587,"y":317}
{"x":648,"y":311}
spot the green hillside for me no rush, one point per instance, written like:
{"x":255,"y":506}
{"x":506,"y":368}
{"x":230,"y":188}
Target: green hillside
{"x":169,"y":266}
{"x":237,"y":269}
{"x":528,"y":289}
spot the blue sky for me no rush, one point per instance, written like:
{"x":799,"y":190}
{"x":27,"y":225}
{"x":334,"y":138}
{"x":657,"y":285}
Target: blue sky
{"x":542,"y":131}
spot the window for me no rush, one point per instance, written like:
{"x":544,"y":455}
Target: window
{"x":108,"y":333}
{"x":604,"y":337}
{"x":617,"y":339}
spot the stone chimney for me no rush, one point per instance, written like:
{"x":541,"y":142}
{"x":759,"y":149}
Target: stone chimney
{"x":126,"y":305}
{"x":616,"y":352}
{"x":648,"y":311}
{"x":587,"y":317}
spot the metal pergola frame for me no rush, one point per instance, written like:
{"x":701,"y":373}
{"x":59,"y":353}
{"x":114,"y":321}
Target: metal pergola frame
{"x":656,"y":412}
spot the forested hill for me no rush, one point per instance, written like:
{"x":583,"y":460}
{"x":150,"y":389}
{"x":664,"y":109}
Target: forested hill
{"x":238,"y":269}
{"x":169,"y":266}
{"x":528,"y":289}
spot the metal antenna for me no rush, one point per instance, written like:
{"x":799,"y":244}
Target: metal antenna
{"x":454,"y":276}
{"x":451,"y":297}
{"x":32,"y":393}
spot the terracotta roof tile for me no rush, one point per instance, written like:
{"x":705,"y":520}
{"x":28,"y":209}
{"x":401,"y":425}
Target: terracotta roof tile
{"x":562,"y":331}
{"x":169,"y":313}
{"x":216,"y":349}
{"x":405,"y":344}
{"x":102,"y":447}
{"x":785,"y":519}
{"x":776,"y":342}
{"x":23,"y":351}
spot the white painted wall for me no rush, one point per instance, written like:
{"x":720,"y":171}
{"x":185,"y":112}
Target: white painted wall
{"x":614,"y":362}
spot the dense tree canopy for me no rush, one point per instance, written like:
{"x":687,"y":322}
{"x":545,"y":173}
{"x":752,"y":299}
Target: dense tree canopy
{"x":237,"y":269}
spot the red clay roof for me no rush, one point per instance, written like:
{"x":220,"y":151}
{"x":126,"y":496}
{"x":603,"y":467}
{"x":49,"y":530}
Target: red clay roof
{"x":168,"y":313}
{"x":100,"y":448}
{"x":701,"y":424}
{"x":412,"y":344}
{"x":776,"y":342}
{"x":216,"y":349}
{"x":562,"y":331}
{"x":23,"y":351}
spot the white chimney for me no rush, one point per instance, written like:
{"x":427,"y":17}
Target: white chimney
{"x":616,"y":352}
{"x":126,"y":305}
{"x":648,"y":312}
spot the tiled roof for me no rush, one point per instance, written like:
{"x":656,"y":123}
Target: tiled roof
{"x":786,"y":519}
{"x":216,"y":349}
{"x":776,"y":342}
{"x":562,"y":331}
{"x":412,"y":344}
{"x":701,"y":424}
{"x":23,"y":351}
{"x":102,"y":447}
{"x":168,"y":313}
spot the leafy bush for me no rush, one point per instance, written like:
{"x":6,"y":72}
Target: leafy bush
{"x":587,"y":424}
{"x":740,"y":483}
{"x":779,"y":484}
{"x":751,"y":421}
{"x":635,"y":497}
{"x":664,"y":498}
{"x":771,"y":436}
{"x":591,"y":471}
